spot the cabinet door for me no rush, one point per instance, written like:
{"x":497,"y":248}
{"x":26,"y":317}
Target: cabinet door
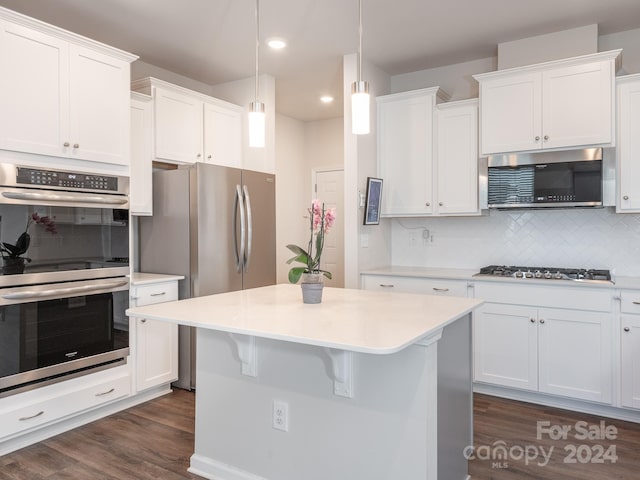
{"x":157,"y":353}
{"x":630,"y":361}
{"x":405,"y":135}
{"x":510,"y":113}
{"x":505,"y":344}
{"x":575,"y":358}
{"x":577,"y":105}
{"x":99,"y":106}
{"x":457,"y":159}
{"x":141,"y":194}
{"x":628,"y":149}
{"x":223,"y":135}
{"x":34,"y":92}
{"x":177,"y":127}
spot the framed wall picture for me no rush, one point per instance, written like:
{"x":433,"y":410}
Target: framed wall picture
{"x":372,"y":204}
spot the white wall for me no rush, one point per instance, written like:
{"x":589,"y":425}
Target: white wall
{"x":629,"y":41}
{"x":324,"y":144}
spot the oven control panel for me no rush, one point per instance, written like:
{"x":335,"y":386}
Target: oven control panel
{"x":37,"y":177}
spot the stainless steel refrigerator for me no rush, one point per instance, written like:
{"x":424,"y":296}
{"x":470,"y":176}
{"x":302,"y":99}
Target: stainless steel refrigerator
{"x":216,"y":226}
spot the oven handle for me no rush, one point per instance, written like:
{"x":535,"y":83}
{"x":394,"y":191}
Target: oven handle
{"x":68,"y":197}
{"x":63,"y":291}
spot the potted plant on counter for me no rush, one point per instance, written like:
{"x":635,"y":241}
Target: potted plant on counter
{"x":12,"y":259}
{"x":311,"y":275}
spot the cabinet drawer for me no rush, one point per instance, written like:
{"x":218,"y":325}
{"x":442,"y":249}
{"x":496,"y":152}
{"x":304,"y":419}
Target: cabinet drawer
{"x":63,"y":403}
{"x":142,"y":295}
{"x":428,"y":286}
{"x":630,"y":301}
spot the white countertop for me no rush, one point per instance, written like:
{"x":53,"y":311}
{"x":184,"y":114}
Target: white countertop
{"x":467,"y":274}
{"x":140,"y":278}
{"x":352,"y":320}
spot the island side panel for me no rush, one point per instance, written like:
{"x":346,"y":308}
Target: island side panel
{"x":382,"y":433}
{"x":455,"y":399}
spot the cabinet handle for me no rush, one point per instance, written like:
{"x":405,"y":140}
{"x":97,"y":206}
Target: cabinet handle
{"x":537,"y":138}
{"x":199,"y":155}
{"x":532,"y":320}
{"x":66,"y":144}
{"x":627,"y":329}
{"x":387,"y":285}
{"x":76,"y":145}
{"x":636,"y":303}
{"x":24,"y":419}
{"x":440,"y":289}
{"x":428,"y":204}
{"x":158,"y":294}
{"x":441,"y":204}
{"x":101,"y":394}
{"x":209,"y":157}
{"x":626,"y":197}
{"x":546,"y":137}
{"x":143,"y":320}
{"x":542,"y":320}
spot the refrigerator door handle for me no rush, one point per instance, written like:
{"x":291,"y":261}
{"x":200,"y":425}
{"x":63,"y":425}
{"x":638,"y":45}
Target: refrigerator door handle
{"x":238,"y":205}
{"x":249,"y":227}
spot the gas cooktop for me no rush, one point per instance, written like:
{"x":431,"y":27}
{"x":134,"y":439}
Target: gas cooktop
{"x":546,"y":273}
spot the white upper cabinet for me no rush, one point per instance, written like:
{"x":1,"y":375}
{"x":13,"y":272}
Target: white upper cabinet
{"x":223,"y":134}
{"x":177,"y":126}
{"x":554,"y":105}
{"x":141,"y":194}
{"x":628,"y":149}
{"x":427,"y":154}
{"x":190,"y":127}
{"x":456,"y":169}
{"x":62,"y":95}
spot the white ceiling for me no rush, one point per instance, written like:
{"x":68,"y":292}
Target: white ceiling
{"x":213,"y":40}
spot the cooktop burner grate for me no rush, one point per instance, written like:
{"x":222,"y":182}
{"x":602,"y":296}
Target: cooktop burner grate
{"x":546,"y":273}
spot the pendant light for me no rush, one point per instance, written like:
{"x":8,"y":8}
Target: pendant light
{"x":360,"y":90}
{"x":256,"y":108}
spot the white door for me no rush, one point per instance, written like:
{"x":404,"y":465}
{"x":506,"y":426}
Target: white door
{"x":177,"y":127}
{"x":577,"y":105}
{"x":630,"y":361}
{"x":329,"y":188}
{"x":223,"y":135}
{"x":34,"y":91}
{"x":505,"y":344}
{"x":457,"y":159}
{"x":511,"y":114}
{"x":574,"y":354}
{"x":628,"y":150}
{"x":99,"y":106}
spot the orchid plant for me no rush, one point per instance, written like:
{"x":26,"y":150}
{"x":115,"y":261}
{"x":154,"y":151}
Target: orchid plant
{"x":320,"y":222}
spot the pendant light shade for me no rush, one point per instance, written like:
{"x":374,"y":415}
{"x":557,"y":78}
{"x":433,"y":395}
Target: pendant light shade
{"x":256,"y":108}
{"x":360,"y":99}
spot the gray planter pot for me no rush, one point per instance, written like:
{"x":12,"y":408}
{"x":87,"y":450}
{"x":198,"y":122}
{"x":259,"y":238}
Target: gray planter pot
{"x":312,"y":292}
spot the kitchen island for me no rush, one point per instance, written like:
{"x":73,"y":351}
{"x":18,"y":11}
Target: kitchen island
{"x":366,"y":385}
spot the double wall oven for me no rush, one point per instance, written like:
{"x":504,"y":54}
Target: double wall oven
{"x":64,"y":240}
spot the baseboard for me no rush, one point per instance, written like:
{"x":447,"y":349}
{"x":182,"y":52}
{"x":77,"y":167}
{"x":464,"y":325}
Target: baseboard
{"x":213,"y":470}
{"x":65,"y":425}
{"x":601,"y":410}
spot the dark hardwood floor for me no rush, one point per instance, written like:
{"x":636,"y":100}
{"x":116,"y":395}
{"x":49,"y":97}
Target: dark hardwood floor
{"x":155,"y":440}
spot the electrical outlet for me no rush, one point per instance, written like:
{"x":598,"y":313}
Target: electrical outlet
{"x":281,"y":415}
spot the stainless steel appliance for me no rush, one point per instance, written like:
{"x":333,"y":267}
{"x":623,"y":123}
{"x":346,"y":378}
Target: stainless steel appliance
{"x":572,"y":178}
{"x":214,"y":225}
{"x":546,"y":273}
{"x":63,"y":281}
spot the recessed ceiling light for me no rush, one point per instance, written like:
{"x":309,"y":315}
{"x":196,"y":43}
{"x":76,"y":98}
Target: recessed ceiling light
{"x":326,"y":99}
{"x":276,"y":43}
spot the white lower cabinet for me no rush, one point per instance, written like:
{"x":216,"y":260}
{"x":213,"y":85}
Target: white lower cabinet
{"x":630,"y":348}
{"x":27,"y":411}
{"x":156,"y":342}
{"x":559,"y":351}
{"x":430,"y":286}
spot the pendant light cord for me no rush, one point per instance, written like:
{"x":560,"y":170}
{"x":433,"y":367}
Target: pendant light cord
{"x":359,"y":40}
{"x":257,"y":44}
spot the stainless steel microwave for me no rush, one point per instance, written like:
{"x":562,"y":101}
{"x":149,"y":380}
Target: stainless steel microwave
{"x":572,"y":178}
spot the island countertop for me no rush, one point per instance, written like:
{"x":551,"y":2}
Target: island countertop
{"x":347,"y":319}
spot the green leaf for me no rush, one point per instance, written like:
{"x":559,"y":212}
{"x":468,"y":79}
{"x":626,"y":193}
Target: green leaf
{"x":326,"y":274}
{"x":297,"y":250}
{"x":302,"y":258}
{"x":295,"y":273}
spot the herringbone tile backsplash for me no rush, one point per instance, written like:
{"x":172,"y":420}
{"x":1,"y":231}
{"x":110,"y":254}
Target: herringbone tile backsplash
{"x":579,"y":238}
